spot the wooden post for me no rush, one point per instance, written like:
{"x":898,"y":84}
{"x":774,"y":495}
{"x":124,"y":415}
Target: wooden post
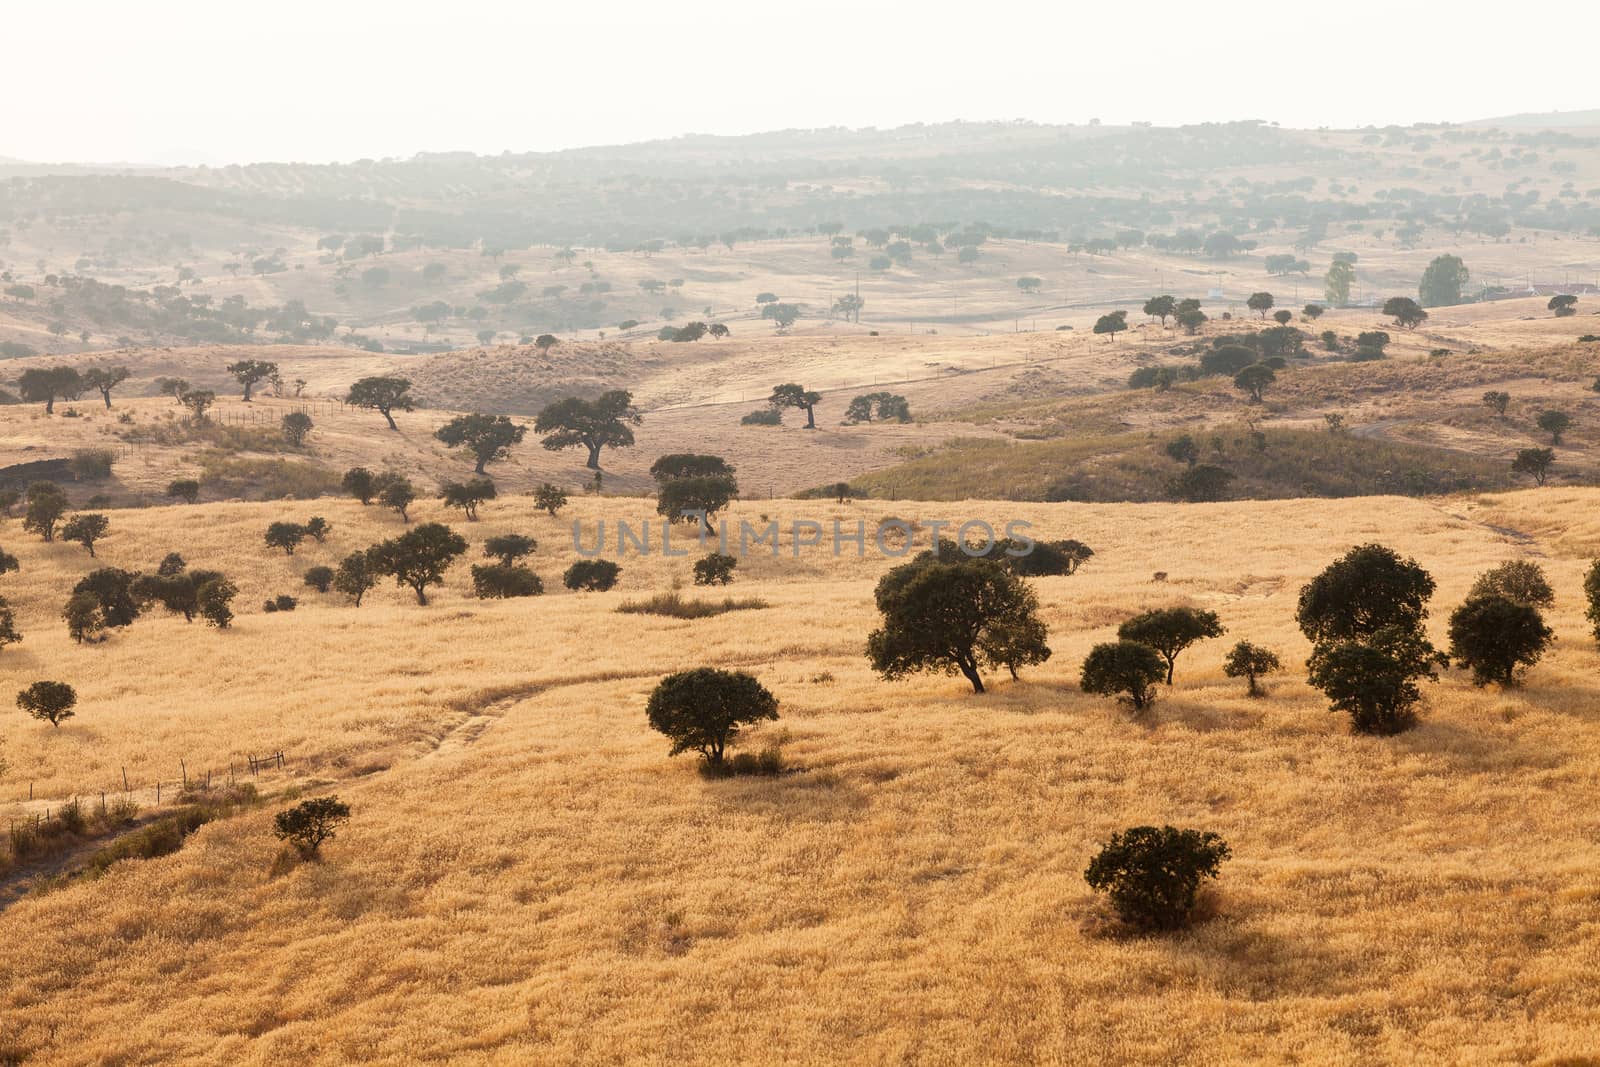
{"x":124,"y":779}
{"x":184,"y":767}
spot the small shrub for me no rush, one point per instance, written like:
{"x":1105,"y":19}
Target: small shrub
{"x":1152,"y":875}
{"x":702,"y":710}
{"x":763,"y":417}
{"x":593,"y":575}
{"x":1123,"y":667}
{"x":318,"y":528}
{"x":320,"y":578}
{"x":91,"y":464}
{"x":715,"y":569}
{"x":1250,"y":662}
{"x":311,"y":823}
{"x":673,"y":605}
{"x":184,"y":489}
{"x":282,"y":602}
{"x":500,"y":580}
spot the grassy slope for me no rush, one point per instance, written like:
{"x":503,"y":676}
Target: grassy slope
{"x":547,"y":885}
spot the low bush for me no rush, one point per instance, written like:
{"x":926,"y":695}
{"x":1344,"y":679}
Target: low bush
{"x":675,"y":606}
{"x":1152,"y":875}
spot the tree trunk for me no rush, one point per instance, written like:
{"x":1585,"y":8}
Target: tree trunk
{"x":106,"y":394}
{"x":50,"y":406}
{"x":811,"y":417}
{"x":390,"y":417}
{"x":970,"y":669}
{"x":594,"y":458}
{"x":479,"y":468}
{"x":1171,"y":662}
{"x":422,"y":596}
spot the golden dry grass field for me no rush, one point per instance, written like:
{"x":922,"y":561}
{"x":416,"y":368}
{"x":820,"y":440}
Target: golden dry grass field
{"x":528,"y":878}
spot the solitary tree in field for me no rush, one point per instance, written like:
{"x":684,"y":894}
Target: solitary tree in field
{"x":50,"y":702}
{"x":1260,"y":303}
{"x":1250,"y":662}
{"x":1171,"y":630}
{"x":1123,"y":668}
{"x":85,"y":530}
{"x":249,"y":372}
{"x":1029,"y":284}
{"x":605,"y":422}
{"x":184,"y":489}
{"x":384,"y":394}
{"x":47,"y":384}
{"x":956,"y":616}
{"x":467,"y":495}
{"x":1153,"y":875}
{"x":1563,"y":305}
{"x":792,"y":395}
{"x":1497,"y":401}
{"x":550,"y":498}
{"x":1591,"y":593}
{"x":591,"y":575}
{"x":1497,"y":637}
{"x":1111,"y":323}
{"x":1405,"y":311}
{"x":486,"y":437}
{"x":419,"y":557}
{"x":1313,"y":311}
{"x":1443,"y":281}
{"x":311,"y":823}
{"x":715,"y":568}
{"x":1555,"y":423}
{"x":1534,"y":462}
{"x":105,"y":379}
{"x":701,"y":710}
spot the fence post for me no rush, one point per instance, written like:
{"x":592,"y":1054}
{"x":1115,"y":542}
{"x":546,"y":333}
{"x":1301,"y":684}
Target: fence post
{"x":182,"y":766}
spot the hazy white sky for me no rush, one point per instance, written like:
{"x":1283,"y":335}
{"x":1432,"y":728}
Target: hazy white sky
{"x":221,"y":81}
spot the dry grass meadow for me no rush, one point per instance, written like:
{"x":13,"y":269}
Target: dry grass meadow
{"x":529,"y":879}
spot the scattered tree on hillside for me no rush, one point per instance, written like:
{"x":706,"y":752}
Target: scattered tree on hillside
{"x":383,"y":394}
{"x":606,"y":421}
{"x":1555,"y":423}
{"x":1171,"y":630}
{"x":1313,"y":311}
{"x":214,"y":599}
{"x":296,"y":428}
{"x":319,"y":578}
{"x":50,"y":702}
{"x":1029,"y":284}
{"x":46,"y":503}
{"x":105,"y":379}
{"x":198,"y":401}
{"x":1337,"y":282}
{"x":173,"y":387}
{"x":550,"y":498}
{"x":693,"y":487}
{"x":715,"y":568}
{"x":1161,"y":307}
{"x":85,"y":530}
{"x":791,"y":395}
{"x":8,"y":625}
{"x":1250,"y":662}
{"x":1497,"y":401}
{"x":1520,"y":580}
{"x":1205,"y":483}
{"x":507,"y":549}
{"x":1442,"y":282}
{"x":1152,"y":876}
{"x":1183,"y":450}
{"x":396,"y":492}
{"x":883,"y":406}
{"x":955,"y":616}
{"x":1191,"y":319}
{"x":419,"y":557}
{"x":1111,"y":323}
{"x":355,"y":576}
{"x":1497,"y":637}
{"x":249,"y":372}
{"x":1591,"y":593}
{"x":591,"y":575}
{"x":285,"y":535}
{"x":1535,"y":462}
{"x":783,"y":315}
{"x":1260,"y":303}
{"x":47,"y":384}
{"x":1282,"y":316}
{"x":361,"y":484}
{"x":1374,"y":678}
{"x":84,"y":621}
{"x":486,"y":437}
{"x":1126,"y":669}
{"x":1368,"y":589}
{"x":1253,"y":380}
{"x":186,"y":490}
{"x":311,"y":823}
{"x":1405,"y":311}
{"x":1563,"y":305}
{"x":467,"y":495}
{"x":112,"y":589}
{"x":701,"y":710}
